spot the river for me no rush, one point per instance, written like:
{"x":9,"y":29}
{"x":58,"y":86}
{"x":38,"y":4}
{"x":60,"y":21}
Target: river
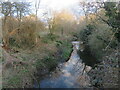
{"x":71,"y":74}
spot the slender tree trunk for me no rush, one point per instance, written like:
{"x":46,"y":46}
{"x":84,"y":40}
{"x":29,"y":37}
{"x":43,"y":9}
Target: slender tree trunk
{"x":37,"y":4}
{"x":5,"y":33}
{"x":36,"y":26}
{"x":20,"y":18}
{"x":62,"y":31}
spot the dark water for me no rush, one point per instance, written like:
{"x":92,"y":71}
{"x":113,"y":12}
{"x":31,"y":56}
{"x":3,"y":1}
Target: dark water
{"x":69,"y":74}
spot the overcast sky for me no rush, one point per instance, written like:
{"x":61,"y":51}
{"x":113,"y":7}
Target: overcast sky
{"x":55,"y":5}
{"x":52,"y":5}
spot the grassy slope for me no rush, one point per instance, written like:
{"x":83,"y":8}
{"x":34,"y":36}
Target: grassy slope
{"x":20,"y":68}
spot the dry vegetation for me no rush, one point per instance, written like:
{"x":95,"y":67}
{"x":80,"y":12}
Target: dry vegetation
{"x":31,"y":47}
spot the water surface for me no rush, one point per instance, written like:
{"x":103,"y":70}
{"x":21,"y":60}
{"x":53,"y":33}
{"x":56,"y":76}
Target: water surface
{"x":69,"y":74}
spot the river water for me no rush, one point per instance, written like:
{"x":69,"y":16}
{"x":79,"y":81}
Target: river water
{"x":71,"y":74}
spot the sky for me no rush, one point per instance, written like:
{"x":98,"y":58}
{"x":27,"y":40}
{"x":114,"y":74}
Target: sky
{"x":59,"y":4}
{"x":51,"y":5}
{"x":56,"y":5}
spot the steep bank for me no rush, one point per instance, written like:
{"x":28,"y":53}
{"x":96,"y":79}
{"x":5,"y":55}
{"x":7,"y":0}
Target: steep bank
{"x":106,"y":73}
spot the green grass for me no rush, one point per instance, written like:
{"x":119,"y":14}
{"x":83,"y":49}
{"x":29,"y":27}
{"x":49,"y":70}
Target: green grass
{"x":14,"y":81}
{"x":65,"y":48}
{"x":45,"y":56}
{"x":51,"y":60}
{"x":48,"y":62}
{"x":49,"y":37}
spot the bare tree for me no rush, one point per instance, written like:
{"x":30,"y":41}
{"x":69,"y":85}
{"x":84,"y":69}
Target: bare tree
{"x":9,"y":10}
{"x":21,"y":8}
{"x":90,"y":8}
{"x":6,"y":11}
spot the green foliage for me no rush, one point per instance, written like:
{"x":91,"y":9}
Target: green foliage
{"x":110,"y":7}
{"x":48,"y":62}
{"x":12,"y":43}
{"x":58,"y":43}
{"x":39,"y":64}
{"x":65,"y":48}
{"x":99,"y":39}
{"x":52,"y":37}
{"x":86,"y":32}
{"x":113,"y":12}
{"x":25,"y":70}
{"x":66,"y":53}
{"x":48,"y":38}
{"x":14,"y":81}
{"x":52,"y":59}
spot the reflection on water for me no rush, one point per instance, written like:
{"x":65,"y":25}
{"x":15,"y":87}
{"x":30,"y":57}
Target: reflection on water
{"x":69,"y":75}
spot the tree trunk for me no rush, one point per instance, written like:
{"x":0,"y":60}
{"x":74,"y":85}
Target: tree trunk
{"x":36,"y":28}
{"x":62,"y":32}
{"x":5,"y":33}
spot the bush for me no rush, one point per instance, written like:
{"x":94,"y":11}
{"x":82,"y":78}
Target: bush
{"x":86,"y":32}
{"x":24,"y":36}
{"x":99,"y":39}
{"x":64,"y":49}
{"x":21,"y":34}
{"x":48,"y":62}
{"x":49,"y":38}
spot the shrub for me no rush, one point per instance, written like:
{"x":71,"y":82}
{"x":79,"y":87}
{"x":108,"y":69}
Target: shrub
{"x":48,"y":62}
{"x":86,"y":32}
{"x":65,"y":48}
{"x":99,"y":39}
{"x":49,"y":37}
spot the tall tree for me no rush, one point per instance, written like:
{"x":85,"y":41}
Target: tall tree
{"x":6,"y":11}
{"x":37,"y":5}
{"x":113,"y":12}
{"x":9,"y":10}
{"x":21,"y":9}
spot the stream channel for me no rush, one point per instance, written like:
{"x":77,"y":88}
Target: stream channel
{"x":71,"y":74}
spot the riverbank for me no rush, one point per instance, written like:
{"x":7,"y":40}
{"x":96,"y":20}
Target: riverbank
{"x":105,"y":70}
{"x":70,"y":74}
{"x":27,"y":66}
{"x":106,"y":73}
{"x":31,"y":70}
